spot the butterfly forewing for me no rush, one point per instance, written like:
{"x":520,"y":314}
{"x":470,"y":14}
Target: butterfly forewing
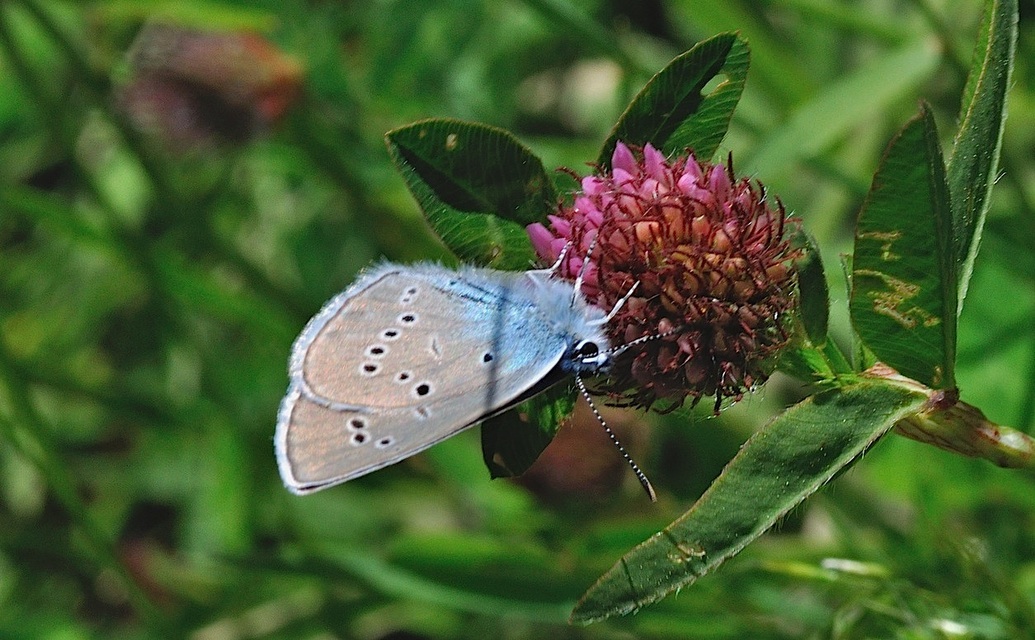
{"x":405,"y":358}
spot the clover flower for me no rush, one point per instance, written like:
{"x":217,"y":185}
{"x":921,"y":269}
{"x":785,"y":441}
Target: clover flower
{"x":714,"y":268}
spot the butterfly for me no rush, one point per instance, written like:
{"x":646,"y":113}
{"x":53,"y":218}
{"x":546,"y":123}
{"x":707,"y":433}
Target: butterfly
{"x":410,"y":355}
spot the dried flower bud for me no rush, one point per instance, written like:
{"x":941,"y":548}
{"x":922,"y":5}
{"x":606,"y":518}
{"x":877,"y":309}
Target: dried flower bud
{"x":714,"y":268}
{"x":191,"y":88}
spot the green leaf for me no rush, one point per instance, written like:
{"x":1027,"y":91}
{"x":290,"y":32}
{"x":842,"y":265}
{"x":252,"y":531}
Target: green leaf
{"x":673,"y":114}
{"x":194,"y":287}
{"x":814,"y":296}
{"x":200,"y":15}
{"x":812,"y":357}
{"x":862,"y":358}
{"x":478,"y":187}
{"x":389,"y":579}
{"x":836,"y":358}
{"x":48,"y":210}
{"x":780,"y":466}
{"x":806,"y":362}
{"x":975,"y":151}
{"x":520,"y":571}
{"x":837,"y":111}
{"x":513,"y":440}
{"x":903,"y":297}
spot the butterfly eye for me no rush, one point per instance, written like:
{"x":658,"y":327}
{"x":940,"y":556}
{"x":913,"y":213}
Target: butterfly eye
{"x":586,"y":350}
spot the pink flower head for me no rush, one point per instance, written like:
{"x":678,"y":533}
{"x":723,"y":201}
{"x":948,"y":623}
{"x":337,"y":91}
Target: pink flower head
{"x":193,"y":88}
{"x":714,"y":268}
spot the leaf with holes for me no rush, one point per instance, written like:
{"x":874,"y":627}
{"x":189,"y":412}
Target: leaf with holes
{"x":903,"y":299}
{"x":673,"y":114}
{"x":478,"y":187}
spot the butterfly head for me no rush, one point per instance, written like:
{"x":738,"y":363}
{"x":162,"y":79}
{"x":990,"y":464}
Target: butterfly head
{"x":582,"y":324}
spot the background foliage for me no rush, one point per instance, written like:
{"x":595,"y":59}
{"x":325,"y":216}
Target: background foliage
{"x":148,"y":302}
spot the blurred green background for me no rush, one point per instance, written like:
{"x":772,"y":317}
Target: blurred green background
{"x":149,"y":296}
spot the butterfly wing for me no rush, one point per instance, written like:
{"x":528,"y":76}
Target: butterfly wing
{"x":405,"y":358}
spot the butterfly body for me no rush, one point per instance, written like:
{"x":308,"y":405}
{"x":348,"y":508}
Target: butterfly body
{"x":412,"y":354}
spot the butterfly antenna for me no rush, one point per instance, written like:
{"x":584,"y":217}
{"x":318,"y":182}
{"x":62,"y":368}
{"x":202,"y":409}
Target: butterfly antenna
{"x":560,"y":257}
{"x":657,"y":336}
{"x":582,"y":269}
{"x":552,"y":269}
{"x":618,"y":306}
{"x":642,"y":477}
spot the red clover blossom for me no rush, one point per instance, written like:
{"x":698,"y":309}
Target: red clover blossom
{"x":714,"y":266}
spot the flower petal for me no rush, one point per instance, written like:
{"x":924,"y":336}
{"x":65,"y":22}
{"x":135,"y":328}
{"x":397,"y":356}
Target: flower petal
{"x":560,"y":226}
{"x":655,"y":164}
{"x":623,"y":159}
{"x":542,"y":240}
